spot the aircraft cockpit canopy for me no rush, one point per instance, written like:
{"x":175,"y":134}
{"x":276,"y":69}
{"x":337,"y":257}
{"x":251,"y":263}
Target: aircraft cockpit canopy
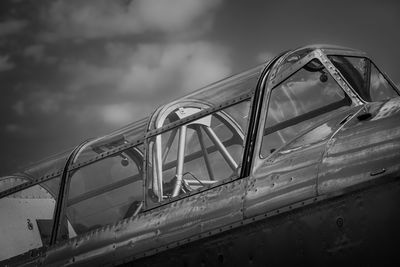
{"x":193,"y":142}
{"x":188,"y":145}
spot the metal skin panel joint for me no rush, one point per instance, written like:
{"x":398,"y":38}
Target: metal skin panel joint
{"x":331,"y":201}
{"x":279,"y":180}
{"x":370,"y":148}
{"x":156,"y":228}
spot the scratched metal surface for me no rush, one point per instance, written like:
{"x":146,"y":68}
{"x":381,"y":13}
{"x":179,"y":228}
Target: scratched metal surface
{"x":355,"y":229}
{"x":290,"y":173}
{"x":337,"y":230}
{"x":363,"y":150}
{"x":287,"y":179}
{"x":167,"y":224}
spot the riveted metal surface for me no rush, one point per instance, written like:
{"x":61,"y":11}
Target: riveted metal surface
{"x":25,"y":185}
{"x":290,"y":173}
{"x":131,"y":144}
{"x":32,"y":258}
{"x":283,"y":179}
{"x":326,"y":232}
{"x":280,"y":76}
{"x":275,"y":212}
{"x":343,"y":52}
{"x":154,"y":229}
{"x":199,"y":114}
{"x":275,"y":79}
{"x":338,"y":77}
{"x":363,"y":149}
{"x":11,"y":181}
{"x":217,"y":94}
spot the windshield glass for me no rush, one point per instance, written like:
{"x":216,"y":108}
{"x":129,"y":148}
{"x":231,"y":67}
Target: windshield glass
{"x":365,"y":78}
{"x":299,"y":103}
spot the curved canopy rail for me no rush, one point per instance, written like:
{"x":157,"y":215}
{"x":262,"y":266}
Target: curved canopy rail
{"x":170,"y":151}
{"x":123,"y":138}
{"x":216,"y":95}
{"x":192,"y":142}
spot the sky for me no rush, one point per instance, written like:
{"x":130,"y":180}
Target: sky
{"x":75,"y":69}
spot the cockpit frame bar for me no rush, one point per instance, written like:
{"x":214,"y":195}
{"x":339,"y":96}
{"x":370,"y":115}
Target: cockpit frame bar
{"x":262,"y":90}
{"x":63,"y":193}
{"x":255,"y":112}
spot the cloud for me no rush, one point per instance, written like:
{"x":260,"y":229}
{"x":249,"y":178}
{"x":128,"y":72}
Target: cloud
{"x":37,"y":53}
{"x":13,"y":128}
{"x":84,"y":74}
{"x":40,"y":100}
{"x":19,"y":108}
{"x":109,"y":115}
{"x":172,"y":15}
{"x":5,"y":64}
{"x":143,"y":77}
{"x":175,"y":68}
{"x":49,"y":102}
{"x":118,"y":114}
{"x":90,"y":19}
{"x":123,"y":113}
{"x":11,"y":27}
{"x":152,"y":70}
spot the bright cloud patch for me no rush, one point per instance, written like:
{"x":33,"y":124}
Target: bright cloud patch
{"x":152,"y":69}
{"x":174,"y":69}
{"x":147,"y":76}
{"x":172,"y":15}
{"x":88,"y":19}
{"x":109,"y":116}
{"x":121,"y":114}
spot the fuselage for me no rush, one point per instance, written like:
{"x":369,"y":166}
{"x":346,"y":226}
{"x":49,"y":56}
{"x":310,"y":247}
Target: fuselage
{"x":299,"y":156}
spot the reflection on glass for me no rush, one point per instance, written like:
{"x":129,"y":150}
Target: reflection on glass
{"x":47,"y":166}
{"x":363,"y":76}
{"x":298,"y":103}
{"x":106,"y":191}
{"x":212,"y":96}
{"x":380,"y":89}
{"x":128,"y":134}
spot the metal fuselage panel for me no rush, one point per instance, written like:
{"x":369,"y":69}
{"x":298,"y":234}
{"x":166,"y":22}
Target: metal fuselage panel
{"x":318,"y":204}
{"x":355,"y":229}
{"x":366,"y":149}
{"x":156,"y":228}
{"x":283,"y":180}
